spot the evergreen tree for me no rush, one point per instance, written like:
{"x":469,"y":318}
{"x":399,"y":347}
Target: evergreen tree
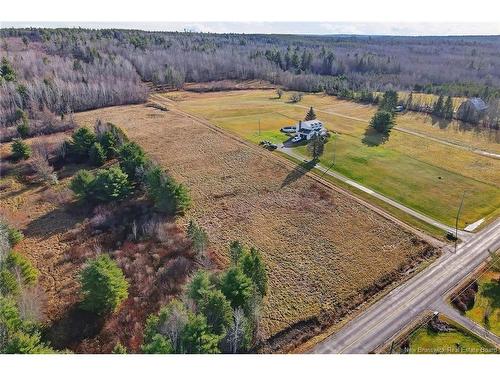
{"x":110,"y":185}
{"x":197,"y":338}
{"x":81,"y":142}
{"x":200,"y":285}
{"x":97,"y":156}
{"x":382,"y":122}
{"x":132,"y":158}
{"x":20,"y":150}
{"x":23,"y":126}
{"x":253,"y":267}
{"x":448,"y":108}
{"x":237,"y":287}
{"x":311,"y":115}
{"x":104,"y":286}
{"x":389,"y":101}
{"x":409,"y":101}
{"x":217,"y":310}
{"x":437,"y":109}
{"x":235,"y":251}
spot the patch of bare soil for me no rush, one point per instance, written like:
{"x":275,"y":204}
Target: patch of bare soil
{"x":326,"y":253}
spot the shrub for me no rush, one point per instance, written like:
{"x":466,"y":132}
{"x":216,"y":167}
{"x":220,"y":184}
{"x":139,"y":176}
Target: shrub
{"x":97,"y":155}
{"x":168,"y":196}
{"x":110,"y":185}
{"x":29,"y":274}
{"x":104,"y":286}
{"x":26,"y":343}
{"x":20,"y":150}
{"x":132,"y":158}
{"x":43,"y":170}
{"x":237,"y":287}
{"x":81,"y":142}
{"x":119,"y":349}
{"x":8,"y":283}
{"x":296,"y":97}
{"x":15,"y":236}
{"x":81,"y":183}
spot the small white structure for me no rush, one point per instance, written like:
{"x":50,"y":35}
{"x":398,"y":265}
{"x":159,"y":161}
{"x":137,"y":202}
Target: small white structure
{"x":307,"y":129}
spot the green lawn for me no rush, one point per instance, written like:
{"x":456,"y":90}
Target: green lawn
{"x":428,"y":176}
{"x":425,"y":341}
{"x":487,"y":298}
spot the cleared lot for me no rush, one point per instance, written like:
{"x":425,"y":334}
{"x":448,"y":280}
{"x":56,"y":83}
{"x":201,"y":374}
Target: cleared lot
{"x":421,"y":173}
{"x":325,"y":251}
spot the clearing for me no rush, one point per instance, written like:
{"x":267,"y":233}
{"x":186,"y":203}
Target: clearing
{"x":421,"y":173}
{"x":326,"y":252}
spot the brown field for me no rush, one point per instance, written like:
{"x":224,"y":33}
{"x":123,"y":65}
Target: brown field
{"x":325,"y":251}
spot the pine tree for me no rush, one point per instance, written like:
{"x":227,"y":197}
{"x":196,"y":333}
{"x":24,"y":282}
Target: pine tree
{"x":409,"y":101}
{"x":448,"y":109}
{"x":311,"y":115}
{"x":437,"y":110}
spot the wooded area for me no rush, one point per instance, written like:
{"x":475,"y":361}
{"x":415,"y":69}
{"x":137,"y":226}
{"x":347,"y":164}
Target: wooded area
{"x":54,"y":72}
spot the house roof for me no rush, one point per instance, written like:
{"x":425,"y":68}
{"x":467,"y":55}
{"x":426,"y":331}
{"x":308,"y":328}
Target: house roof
{"x":478,"y":103}
{"x":311,"y":125}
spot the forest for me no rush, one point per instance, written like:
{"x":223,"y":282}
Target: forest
{"x":47,"y":74}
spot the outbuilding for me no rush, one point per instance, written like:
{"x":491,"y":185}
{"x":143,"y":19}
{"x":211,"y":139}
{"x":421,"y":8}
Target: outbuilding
{"x":472,"y":110}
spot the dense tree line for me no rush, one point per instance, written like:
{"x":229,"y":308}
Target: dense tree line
{"x":66,"y":70}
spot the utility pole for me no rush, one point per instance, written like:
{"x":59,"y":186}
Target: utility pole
{"x":456,"y":221}
{"x":259,"y":127}
{"x":334,"y":157}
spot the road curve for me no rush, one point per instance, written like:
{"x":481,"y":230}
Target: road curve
{"x":402,"y":305}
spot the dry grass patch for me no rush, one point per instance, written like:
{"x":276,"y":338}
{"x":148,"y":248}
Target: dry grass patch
{"x":324,"y":250}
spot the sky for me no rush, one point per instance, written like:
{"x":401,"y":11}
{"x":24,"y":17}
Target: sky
{"x":321,"y":28}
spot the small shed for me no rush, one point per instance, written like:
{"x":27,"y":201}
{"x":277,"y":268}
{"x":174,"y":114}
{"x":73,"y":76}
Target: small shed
{"x":472,"y":110}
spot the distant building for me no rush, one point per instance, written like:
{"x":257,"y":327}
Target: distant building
{"x":472,"y":110}
{"x":307,"y":129}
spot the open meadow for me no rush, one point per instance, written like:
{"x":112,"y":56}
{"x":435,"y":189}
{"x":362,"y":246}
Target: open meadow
{"x":416,"y":170}
{"x":325,"y":251}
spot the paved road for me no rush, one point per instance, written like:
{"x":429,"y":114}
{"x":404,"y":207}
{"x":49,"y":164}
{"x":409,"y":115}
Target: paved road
{"x":462,"y":234}
{"x":401,"y":306}
{"x":445,"y":308}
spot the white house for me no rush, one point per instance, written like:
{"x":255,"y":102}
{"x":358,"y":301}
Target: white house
{"x":307,"y":129}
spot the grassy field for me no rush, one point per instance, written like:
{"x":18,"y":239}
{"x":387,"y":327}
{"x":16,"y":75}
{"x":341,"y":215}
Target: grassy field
{"x":325,"y":252}
{"x":488,"y":297}
{"x":418,"y":172}
{"x":459,"y":341}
